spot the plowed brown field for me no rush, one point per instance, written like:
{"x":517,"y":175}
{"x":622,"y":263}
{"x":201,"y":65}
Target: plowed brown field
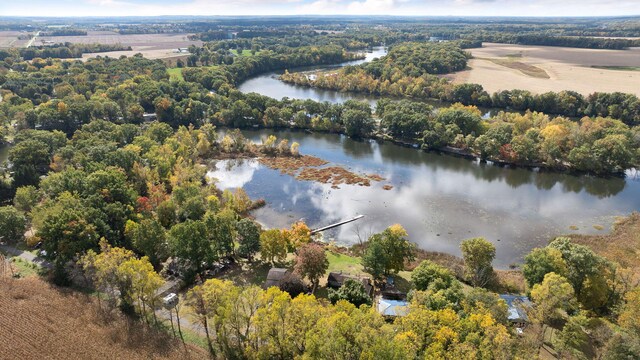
{"x":41,"y":321}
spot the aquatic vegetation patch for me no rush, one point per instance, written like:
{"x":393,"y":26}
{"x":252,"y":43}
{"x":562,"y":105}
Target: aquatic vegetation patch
{"x":333,"y":175}
{"x":376,"y":177}
{"x":291,"y":164}
{"x":311,"y":168}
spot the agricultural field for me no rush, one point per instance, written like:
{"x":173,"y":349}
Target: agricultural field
{"x":37,"y":318}
{"x":10,"y":38}
{"x":152,"y":46}
{"x":542,"y":68}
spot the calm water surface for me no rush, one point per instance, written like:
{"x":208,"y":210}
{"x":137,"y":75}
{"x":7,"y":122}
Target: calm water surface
{"x":440,"y":200}
{"x":269,"y":85}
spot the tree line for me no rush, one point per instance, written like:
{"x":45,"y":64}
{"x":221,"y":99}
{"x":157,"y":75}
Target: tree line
{"x":67,"y":31}
{"x":385,"y":77}
{"x":66,"y":50}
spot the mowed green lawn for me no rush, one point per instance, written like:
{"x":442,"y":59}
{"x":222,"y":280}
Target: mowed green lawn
{"x":244,"y":52}
{"x":345,"y":263}
{"x":175,"y":74}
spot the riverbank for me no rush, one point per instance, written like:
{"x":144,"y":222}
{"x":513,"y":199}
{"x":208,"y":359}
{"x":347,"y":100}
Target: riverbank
{"x":489,"y":139}
{"x":466,"y":154}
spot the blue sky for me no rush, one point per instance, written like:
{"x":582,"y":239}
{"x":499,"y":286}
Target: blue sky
{"x":321,"y":7}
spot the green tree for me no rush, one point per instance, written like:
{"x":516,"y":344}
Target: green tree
{"x":429,"y":274}
{"x":273,"y":245}
{"x":581,"y":262}
{"x":573,"y":340}
{"x":374,"y":260}
{"x":189,"y":241}
{"x":65,"y":234}
{"x":622,"y":346}
{"x":387,"y":252}
{"x":166,"y":213}
{"x":26,"y":198}
{"x":30,"y":159}
{"x":439,"y":297}
{"x":478,"y":254}
{"x":149,"y":238}
{"x":248,"y":237}
{"x":554,"y":297}
{"x":352,"y":291}
{"x":221,"y":229}
{"x":12,"y":224}
{"x":357,"y":123}
{"x":541,"y":261}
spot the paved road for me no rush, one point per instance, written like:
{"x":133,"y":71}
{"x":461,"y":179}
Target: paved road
{"x":11,"y":250}
{"x":32,"y":40}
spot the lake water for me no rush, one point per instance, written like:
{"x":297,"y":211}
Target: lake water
{"x":440,"y":199}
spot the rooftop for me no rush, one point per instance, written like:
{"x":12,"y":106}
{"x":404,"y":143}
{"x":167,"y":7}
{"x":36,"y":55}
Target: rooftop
{"x":516,"y":307}
{"x":274,"y":277}
{"x":388,"y":307}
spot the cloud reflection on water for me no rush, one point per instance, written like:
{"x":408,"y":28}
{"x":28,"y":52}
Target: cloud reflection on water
{"x":440,"y":200}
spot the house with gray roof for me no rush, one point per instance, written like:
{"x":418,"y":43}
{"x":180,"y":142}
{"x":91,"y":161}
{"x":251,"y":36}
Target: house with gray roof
{"x":516,"y":309}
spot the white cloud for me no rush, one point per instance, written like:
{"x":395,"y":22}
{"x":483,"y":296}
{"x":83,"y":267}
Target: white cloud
{"x":372,"y":7}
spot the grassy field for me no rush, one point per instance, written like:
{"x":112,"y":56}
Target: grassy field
{"x":345,"y":263}
{"x":526,"y":69}
{"x":22,"y":268}
{"x":619,"y":68}
{"x":245,"y":52}
{"x":621,"y":245}
{"x":25,"y":268}
{"x":40,"y":321}
{"x":175,"y":74}
{"x":550,"y":68}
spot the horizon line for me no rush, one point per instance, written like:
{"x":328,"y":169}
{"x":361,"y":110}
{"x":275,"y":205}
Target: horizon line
{"x":325,"y":16}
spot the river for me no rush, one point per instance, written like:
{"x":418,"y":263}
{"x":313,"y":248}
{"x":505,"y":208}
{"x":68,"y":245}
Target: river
{"x":440,"y":199}
{"x":269,"y":85}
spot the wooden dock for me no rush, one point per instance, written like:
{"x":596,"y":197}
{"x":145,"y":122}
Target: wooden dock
{"x":336,"y":224}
